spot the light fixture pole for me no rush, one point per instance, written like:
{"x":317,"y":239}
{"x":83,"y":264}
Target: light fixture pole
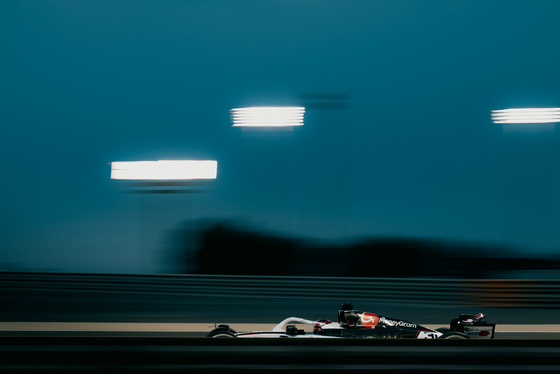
{"x":161,"y":177}
{"x":273,"y":117}
{"x":529,"y":203}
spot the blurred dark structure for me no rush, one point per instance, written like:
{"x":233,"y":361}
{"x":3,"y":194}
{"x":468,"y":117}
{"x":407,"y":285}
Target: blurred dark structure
{"x":331,"y":100}
{"x":163,"y":186}
{"x":224,"y":248}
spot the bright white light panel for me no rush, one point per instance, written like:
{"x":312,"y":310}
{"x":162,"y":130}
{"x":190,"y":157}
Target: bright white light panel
{"x":164,"y":170}
{"x":268,"y":116}
{"x":526,"y":115}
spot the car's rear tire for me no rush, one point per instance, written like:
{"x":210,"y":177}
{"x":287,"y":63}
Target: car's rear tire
{"x":221,"y":334}
{"x":222,"y":331}
{"x":453,"y":335}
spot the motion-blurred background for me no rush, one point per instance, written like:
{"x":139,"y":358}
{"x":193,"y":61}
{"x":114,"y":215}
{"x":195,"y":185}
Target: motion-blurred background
{"x":398,"y":170}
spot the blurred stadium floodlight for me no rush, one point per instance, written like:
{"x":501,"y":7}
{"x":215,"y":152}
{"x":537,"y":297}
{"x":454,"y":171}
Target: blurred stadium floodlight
{"x":268,"y":116}
{"x":164,"y":170}
{"x":526,"y":115}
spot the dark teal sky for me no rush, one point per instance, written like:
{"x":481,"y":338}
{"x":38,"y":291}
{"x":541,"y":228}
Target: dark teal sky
{"x":414,"y":153}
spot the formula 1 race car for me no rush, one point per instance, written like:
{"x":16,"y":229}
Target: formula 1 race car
{"x":357,"y":324}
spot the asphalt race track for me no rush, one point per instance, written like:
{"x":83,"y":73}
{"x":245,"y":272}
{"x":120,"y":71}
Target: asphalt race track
{"x":200,"y":355}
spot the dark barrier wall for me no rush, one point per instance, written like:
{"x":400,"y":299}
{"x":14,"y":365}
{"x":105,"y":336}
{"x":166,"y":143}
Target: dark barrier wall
{"x":480,"y":292}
